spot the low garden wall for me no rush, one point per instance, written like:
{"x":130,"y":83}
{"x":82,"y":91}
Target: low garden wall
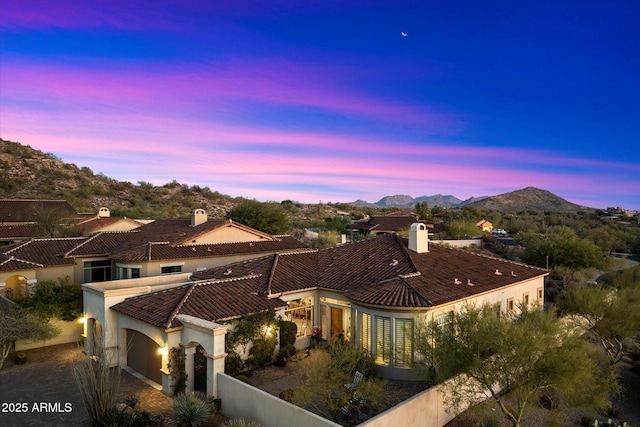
{"x":243,"y":400}
{"x":70,"y":332}
{"x":426,"y":409}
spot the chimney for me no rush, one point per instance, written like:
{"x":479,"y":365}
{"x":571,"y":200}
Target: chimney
{"x":104,"y":212}
{"x":418,"y":238}
{"x":198,"y":216}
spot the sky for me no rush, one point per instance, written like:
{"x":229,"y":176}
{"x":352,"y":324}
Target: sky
{"x":332,"y":101}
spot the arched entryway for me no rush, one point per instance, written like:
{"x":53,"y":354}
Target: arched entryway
{"x":200,"y":369}
{"x":16,"y":287}
{"x":143,"y":355}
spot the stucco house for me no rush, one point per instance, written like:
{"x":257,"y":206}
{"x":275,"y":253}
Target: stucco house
{"x":24,"y":219}
{"x":162,"y":247}
{"x":396,"y":222}
{"x":369,"y":292}
{"x":485,"y":225}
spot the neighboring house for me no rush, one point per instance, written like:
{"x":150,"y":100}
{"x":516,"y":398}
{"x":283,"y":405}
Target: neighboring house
{"x":162,"y":247}
{"x":24,"y":219}
{"x":393,"y":223}
{"x":485,"y":225}
{"x":370,"y":293}
{"x":103,"y":221}
{"x":16,"y":233}
{"x":27,"y":211}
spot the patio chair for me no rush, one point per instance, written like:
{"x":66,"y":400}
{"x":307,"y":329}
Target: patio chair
{"x":357,"y":379}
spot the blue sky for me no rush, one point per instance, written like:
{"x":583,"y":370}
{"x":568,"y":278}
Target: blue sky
{"x":327,"y":100}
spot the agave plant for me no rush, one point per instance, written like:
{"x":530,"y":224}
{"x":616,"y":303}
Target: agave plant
{"x":189,"y":410}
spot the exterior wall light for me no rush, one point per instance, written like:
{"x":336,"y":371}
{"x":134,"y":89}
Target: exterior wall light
{"x":163,"y":350}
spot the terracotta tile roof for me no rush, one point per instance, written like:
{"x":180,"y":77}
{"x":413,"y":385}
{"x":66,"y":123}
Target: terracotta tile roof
{"x":392,"y":222}
{"x":9,"y":263}
{"x":47,"y":252}
{"x":20,"y":231}
{"x":99,"y":244}
{"x":442,"y":265}
{"x":164,"y":250}
{"x":363,"y":262}
{"x":382,"y":271}
{"x":391,"y":293}
{"x":97,"y":223}
{"x":28,"y":210}
{"x":213,"y":301}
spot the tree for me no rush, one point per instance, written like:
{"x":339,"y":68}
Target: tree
{"x":611,"y":314}
{"x":511,"y":359}
{"x":562,"y":247}
{"x":268,"y":217}
{"x":322,"y":377}
{"x":61,"y":299}
{"x":20,"y":324}
{"x":423,"y":211}
{"x":461,"y":228}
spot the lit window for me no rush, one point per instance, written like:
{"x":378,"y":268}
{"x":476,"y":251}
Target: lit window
{"x":365,"y":332}
{"x":403,"y":342}
{"x":383,"y":340}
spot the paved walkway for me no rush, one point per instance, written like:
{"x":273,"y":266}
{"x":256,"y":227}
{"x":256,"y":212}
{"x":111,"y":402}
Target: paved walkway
{"x":45,"y":388}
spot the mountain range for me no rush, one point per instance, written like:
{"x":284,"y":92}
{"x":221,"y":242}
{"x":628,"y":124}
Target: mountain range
{"x":529,"y":198}
{"x":26,"y":173}
{"x":404,"y":201}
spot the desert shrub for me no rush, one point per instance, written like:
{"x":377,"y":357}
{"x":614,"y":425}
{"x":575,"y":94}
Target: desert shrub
{"x":126,"y":418}
{"x":233,"y":363}
{"x":98,"y":383}
{"x":261,"y":353}
{"x":189,"y":410}
{"x":241,"y":422}
{"x":288,"y":332}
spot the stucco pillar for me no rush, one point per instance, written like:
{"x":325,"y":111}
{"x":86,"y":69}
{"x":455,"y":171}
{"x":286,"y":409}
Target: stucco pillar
{"x":189,"y":366}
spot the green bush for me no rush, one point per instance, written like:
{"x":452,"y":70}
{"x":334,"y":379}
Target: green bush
{"x":261,"y":353}
{"x":288,"y":332}
{"x":126,"y":418}
{"x":61,"y":299}
{"x":189,"y":410}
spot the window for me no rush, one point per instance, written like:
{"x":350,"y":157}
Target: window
{"x":128,"y":272}
{"x":300,"y":312}
{"x":510,"y":305}
{"x":540,"y":295}
{"x":365,"y":332}
{"x":97,"y":271}
{"x":525,"y":299}
{"x":172,"y":269}
{"x":444,"y":319}
{"x":403,"y":342}
{"x":383,"y":340}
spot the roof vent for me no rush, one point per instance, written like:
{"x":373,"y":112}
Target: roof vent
{"x":104,"y":212}
{"x":418,"y":238}
{"x":198,"y":216}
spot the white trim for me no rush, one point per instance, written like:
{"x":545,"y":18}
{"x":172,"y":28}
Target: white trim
{"x":118,"y":265}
